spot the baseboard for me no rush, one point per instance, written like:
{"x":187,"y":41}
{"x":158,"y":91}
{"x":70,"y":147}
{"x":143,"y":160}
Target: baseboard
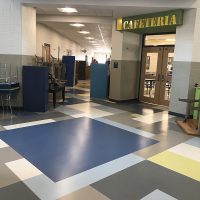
{"x":123,"y":101}
{"x":177,"y":114}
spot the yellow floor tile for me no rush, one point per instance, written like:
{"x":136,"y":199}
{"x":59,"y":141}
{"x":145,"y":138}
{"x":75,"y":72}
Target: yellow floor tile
{"x":178,"y":164}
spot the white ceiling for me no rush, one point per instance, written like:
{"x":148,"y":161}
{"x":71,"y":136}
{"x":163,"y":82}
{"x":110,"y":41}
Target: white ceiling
{"x":99,"y":8}
{"x":72,"y":33}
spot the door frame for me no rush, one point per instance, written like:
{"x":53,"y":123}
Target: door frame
{"x":160,"y":77}
{"x":164,"y":77}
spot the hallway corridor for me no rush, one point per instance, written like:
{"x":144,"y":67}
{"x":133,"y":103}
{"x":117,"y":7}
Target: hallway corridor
{"x":97,"y":150}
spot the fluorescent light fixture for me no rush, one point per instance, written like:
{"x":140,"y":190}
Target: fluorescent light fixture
{"x":89,"y":38}
{"x":68,"y":10}
{"x":91,"y":41}
{"x":77,"y":25}
{"x":170,"y":40}
{"x":84,"y":32}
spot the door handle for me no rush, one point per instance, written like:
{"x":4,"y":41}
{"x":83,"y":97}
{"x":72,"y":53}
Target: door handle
{"x":158,"y":78}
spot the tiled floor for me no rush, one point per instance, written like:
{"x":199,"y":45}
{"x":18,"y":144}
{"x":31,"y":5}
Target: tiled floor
{"x":97,"y":150}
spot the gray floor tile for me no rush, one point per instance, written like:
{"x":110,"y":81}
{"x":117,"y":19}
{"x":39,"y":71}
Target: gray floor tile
{"x":23,"y":117}
{"x":173,"y":119}
{"x":17,"y":191}
{"x":51,"y":115}
{"x":162,"y":127}
{"x":132,"y":106}
{"x":1,"y":128}
{"x":126,"y":119}
{"x":63,"y":118}
{"x":109,"y":109}
{"x":194,"y":142}
{"x":7,"y":154}
{"x":166,"y":141}
{"x":87,"y":193}
{"x":140,"y":180}
{"x":7,"y":177}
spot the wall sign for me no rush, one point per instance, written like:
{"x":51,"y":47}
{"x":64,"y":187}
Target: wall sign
{"x":161,"y":20}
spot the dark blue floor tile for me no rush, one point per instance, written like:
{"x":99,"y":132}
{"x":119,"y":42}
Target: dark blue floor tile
{"x":76,"y":91}
{"x":63,"y":149}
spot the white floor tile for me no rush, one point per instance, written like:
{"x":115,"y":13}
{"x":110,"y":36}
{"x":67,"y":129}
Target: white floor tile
{"x":23,"y":169}
{"x":68,"y":111}
{"x":84,"y":107}
{"x":187,"y":150}
{"x":34,"y":123}
{"x":89,"y":109}
{"x":153,"y":118}
{"x":52,"y":191}
{"x":109,"y":109}
{"x":158,"y":195}
{"x":3,"y":144}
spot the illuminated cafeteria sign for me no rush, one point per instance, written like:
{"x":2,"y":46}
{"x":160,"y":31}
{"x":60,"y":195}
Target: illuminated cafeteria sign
{"x":155,"y":20}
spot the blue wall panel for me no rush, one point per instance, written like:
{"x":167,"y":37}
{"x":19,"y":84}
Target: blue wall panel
{"x":99,"y":81}
{"x":35,"y":88}
{"x":69,"y":62}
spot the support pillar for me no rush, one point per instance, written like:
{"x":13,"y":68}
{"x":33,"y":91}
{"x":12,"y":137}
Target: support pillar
{"x":125,"y":65}
{"x":186,"y":67}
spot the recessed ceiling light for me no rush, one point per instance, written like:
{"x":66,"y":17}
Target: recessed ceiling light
{"x":68,"y":10}
{"x":170,"y":40}
{"x":89,"y":38}
{"x":91,"y":41}
{"x":84,"y":32}
{"x":96,"y":47}
{"x":77,"y":25}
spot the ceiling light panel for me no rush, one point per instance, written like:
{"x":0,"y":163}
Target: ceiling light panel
{"x":68,"y":10}
{"x":89,"y":38}
{"x":77,"y":25}
{"x":91,"y":41}
{"x":84,"y":32}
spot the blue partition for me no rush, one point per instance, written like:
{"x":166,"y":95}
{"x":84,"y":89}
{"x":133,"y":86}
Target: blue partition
{"x":69,"y":62}
{"x":35,"y":88}
{"x":99,"y":81}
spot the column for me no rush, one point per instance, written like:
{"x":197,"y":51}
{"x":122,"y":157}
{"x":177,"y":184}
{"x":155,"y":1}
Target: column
{"x":186,"y":67}
{"x":125,"y":65}
{"x":17,"y":36}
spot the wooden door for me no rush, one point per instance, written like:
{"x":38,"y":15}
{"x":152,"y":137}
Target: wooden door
{"x":166,"y":75}
{"x":151,"y":74}
{"x":156,"y":75}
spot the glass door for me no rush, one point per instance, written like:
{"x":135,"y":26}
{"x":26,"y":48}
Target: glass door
{"x":166,"y":75}
{"x":156,"y":75}
{"x":151,"y":74}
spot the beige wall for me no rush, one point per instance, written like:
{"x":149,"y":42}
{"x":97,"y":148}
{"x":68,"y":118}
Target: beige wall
{"x":126,"y":49}
{"x":186,"y":68}
{"x":28,"y":31}
{"x":46,"y":35}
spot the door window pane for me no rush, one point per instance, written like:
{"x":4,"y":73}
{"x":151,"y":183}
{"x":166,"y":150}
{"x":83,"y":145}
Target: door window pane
{"x":170,"y":59}
{"x":151,"y":63}
{"x":160,"y":40}
{"x":149,"y":88}
{"x":150,"y":74}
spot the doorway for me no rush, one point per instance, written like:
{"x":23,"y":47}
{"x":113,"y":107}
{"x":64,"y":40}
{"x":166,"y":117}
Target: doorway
{"x":156,"y":74}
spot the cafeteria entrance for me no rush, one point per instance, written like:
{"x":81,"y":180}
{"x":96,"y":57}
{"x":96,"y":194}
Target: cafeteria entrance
{"x":156,"y":70}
